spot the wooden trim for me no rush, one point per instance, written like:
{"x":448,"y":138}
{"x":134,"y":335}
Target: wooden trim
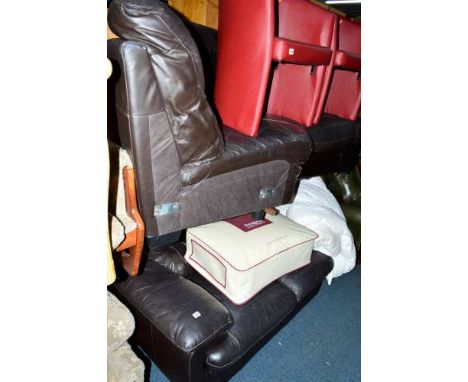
{"x":132,"y":247}
{"x":204,"y":12}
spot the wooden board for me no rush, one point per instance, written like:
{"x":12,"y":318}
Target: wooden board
{"x":203,"y":12}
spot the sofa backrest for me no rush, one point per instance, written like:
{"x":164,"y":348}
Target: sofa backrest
{"x":175,"y":61}
{"x":296,"y":91}
{"x":344,"y":98}
{"x":274,"y":56}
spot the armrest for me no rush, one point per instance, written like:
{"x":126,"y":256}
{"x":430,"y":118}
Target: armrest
{"x":295,"y":52}
{"x":179,"y":310}
{"x":348,"y":60}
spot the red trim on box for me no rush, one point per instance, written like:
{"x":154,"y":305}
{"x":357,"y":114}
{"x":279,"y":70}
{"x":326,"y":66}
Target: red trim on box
{"x":244,"y":270}
{"x":206,"y":270}
{"x":284,"y":274}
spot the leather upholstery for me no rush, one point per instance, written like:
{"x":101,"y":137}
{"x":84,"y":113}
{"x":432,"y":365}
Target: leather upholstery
{"x":348,"y":60}
{"x":185,"y":175}
{"x":336,"y":146}
{"x":247,"y":48}
{"x":344,"y":97}
{"x":294,"y":52}
{"x":333,"y":134}
{"x":278,"y":138}
{"x":296,"y":91}
{"x":206,"y":39}
{"x":252,"y":321}
{"x":192,"y":123}
{"x":336,"y":149}
{"x":303,"y":281}
{"x":171,"y":257}
{"x":245,"y":44}
{"x":214,"y":346}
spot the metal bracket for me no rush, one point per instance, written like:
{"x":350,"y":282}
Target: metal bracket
{"x":267,"y":193}
{"x":166,"y":209}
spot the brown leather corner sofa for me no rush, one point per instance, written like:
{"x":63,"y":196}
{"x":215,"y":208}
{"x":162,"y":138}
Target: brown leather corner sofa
{"x":191,"y":170}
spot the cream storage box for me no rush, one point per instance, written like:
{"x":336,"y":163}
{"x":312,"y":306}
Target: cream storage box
{"x":240,"y":256}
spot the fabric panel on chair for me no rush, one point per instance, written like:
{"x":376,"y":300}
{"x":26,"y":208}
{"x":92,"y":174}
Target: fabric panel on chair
{"x":233,"y":193}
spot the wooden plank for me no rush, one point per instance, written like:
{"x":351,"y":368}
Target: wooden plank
{"x":131,"y":259}
{"x":203,"y":12}
{"x":212,"y":14}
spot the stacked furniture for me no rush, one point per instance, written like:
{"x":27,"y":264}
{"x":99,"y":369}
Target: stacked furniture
{"x":188,"y":171}
{"x":193,"y":166}
{"x":296,"y":60}
{"x":192,"y":331}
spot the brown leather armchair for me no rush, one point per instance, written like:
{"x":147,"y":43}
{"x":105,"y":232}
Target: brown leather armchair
{"x":189,"y":171}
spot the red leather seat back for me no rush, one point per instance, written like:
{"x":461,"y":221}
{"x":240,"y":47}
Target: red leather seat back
{"x":245,"y":44}
{"x":296,"y":89}
{"x":344,"y":98}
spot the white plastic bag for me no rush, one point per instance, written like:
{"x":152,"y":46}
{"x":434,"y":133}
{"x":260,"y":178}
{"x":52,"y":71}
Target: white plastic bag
{"x":316,"y":208}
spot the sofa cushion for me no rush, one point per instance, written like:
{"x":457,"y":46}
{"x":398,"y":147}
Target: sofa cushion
{"x":181,"y":310}
{"x":333,"y":134}
{"x":172,"y":257}
{"x":174,"y":55}
{"x":278,"y":139}
{"x":303,"y":281}
{"x":253,"y":321}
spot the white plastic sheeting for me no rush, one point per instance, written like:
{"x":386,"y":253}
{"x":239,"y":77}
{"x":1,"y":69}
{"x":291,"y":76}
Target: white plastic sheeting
{"x":316,"y":208}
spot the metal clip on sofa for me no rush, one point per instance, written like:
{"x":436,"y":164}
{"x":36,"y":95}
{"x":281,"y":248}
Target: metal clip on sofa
{"x":191,"y":170}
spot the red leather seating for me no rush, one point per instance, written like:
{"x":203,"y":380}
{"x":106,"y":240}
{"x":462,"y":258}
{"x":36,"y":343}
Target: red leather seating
{"x":247,"y":47}
{"x":297,"y":90}
{"x":344,"y":97}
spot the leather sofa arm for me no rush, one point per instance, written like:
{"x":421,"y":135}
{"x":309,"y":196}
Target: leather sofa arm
{"x":348,"y":60}
{"x":295,"y":52}
{"x":175,"y":319}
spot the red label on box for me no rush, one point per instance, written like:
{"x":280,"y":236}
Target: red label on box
{"x":246,"y":222}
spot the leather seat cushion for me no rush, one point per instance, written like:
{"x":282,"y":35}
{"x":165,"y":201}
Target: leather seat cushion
{"x":261,"y":317}
{"x":252,"y":321}
{"x":303,"y":281}
{"x":168,"y":301}
{"x":278,"y":139}
{"x":333,"y":133}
